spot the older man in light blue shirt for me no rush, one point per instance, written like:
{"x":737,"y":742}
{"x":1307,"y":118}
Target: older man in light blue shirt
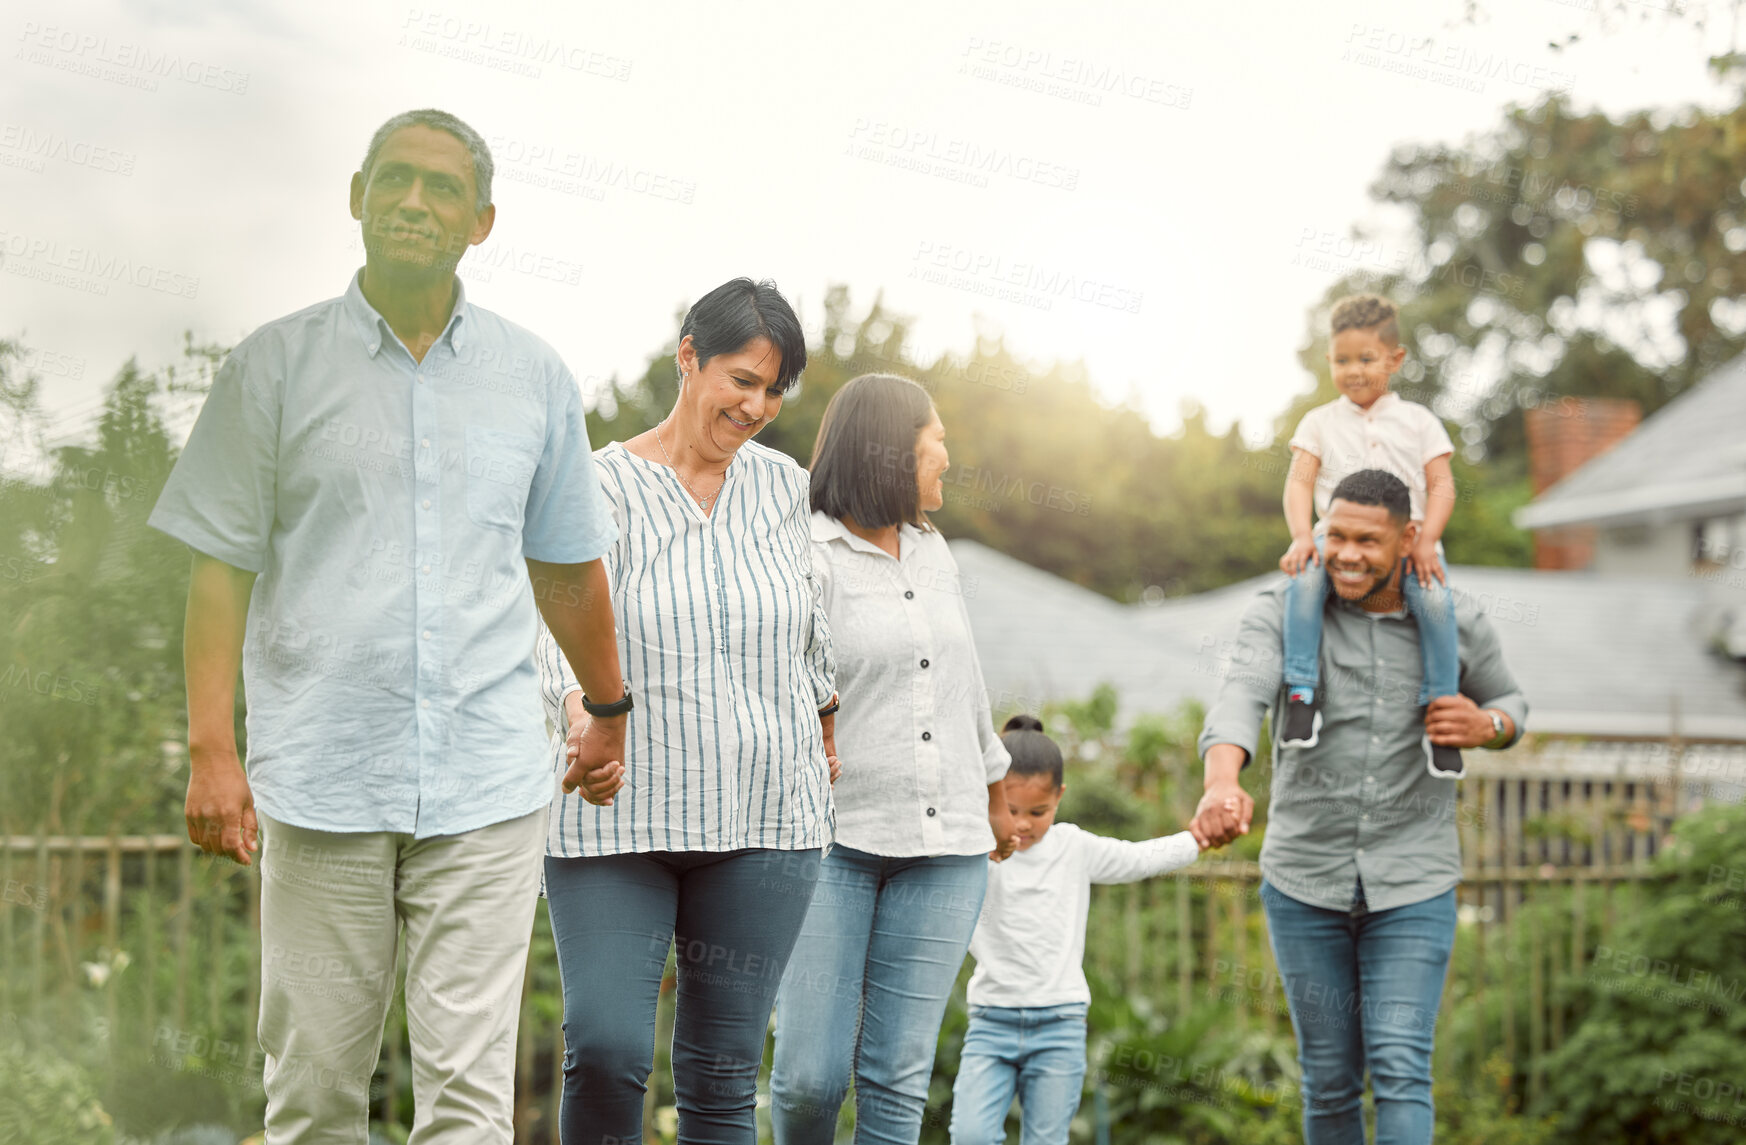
{"x":380,"y":491}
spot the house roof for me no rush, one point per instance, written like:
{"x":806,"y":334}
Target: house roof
{"x":1686,"y":460}
{"x":1597,"y":655}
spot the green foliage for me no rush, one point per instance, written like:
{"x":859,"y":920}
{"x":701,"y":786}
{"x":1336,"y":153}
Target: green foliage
{"x":90,"y":649}
{"x":1660,"y":1054}
{"x":48,"y":1100}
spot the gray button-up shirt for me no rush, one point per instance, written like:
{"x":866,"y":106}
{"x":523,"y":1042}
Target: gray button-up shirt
{"x":1361,"y":803}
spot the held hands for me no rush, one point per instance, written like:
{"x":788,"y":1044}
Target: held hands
{"x":830,"y":750}
{"x":1300,"y":555}
{"x":595,"y":751}
{"x":1424,"y":564}
{"x":1005,"y":841}
{"x":1224,"y":813}
{"x":220,"y":811}
{"x":1456,"y":721}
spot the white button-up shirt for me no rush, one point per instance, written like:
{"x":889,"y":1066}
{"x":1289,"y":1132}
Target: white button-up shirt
{"x":914,"y":735}
{"x":1393,"y":434}
{"x":728,"y":657}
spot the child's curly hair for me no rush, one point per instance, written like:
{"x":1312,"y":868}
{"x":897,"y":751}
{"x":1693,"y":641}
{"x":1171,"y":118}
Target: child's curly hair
{"x":1366,"y":312}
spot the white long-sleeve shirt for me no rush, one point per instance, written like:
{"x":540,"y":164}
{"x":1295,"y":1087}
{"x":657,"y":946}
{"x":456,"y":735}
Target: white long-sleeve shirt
{"x":1029,"y":943}
{"x":914,"y":734}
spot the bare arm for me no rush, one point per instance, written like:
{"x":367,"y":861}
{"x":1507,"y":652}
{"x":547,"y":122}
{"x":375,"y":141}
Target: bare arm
{"x":575,"y":600}
{"x":1000,"y":822}
{"x":1300,"y":491}
{"x":220,"y":808}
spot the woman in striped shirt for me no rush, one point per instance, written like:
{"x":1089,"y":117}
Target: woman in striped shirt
{"x":708,"y":836}
{"x":920,"y":804}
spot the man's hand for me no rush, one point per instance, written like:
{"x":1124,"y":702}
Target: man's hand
{"x":1005,"y":841}
{"x":1424,"y":564}
{"x":595,"y":750}
{"x":220,"y":810}
{"x":1456,"y":721}
{"x":1224,"y":813}
{"x":1300,"y":555}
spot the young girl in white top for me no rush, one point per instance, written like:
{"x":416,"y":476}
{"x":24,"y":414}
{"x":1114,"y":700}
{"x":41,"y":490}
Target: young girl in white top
{"x":1028,"y":996}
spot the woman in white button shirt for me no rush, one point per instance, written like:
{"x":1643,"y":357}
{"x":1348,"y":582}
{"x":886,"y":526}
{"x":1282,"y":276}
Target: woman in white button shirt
{"x":708,"y":836}
{"x":919,"y":803}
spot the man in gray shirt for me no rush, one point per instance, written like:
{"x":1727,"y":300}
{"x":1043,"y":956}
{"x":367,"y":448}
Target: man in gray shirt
{"x":1361,"y":857}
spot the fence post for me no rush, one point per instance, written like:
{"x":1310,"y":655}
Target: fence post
{"x":184,"y":920}
{"x":1184,"y":948}
{"x":40,"y":928}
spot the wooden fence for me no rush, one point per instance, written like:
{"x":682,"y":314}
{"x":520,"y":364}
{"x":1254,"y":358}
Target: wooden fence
{"x":161,"y":944}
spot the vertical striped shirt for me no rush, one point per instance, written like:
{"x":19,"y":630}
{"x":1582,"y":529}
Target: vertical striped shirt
{"x":727,"y":652}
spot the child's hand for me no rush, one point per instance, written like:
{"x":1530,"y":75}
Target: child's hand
{"x":1301,"y":553}
{"x":1424,"y":563}
{"x":1206,"y":845}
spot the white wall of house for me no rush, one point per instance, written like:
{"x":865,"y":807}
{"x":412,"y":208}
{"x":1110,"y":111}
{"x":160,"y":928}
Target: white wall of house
{"x":1645,"y":550}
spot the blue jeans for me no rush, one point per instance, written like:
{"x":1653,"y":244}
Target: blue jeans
{"x":1363,"y":988}
{"x":1039,"y":1052}
{"x":865,"y":991}
{"x":734,"y":917}
{"x":1433,"y":608}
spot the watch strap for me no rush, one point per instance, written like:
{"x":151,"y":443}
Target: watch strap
{"x":617,"y":707}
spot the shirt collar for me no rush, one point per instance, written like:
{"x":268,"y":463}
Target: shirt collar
{"x":828,"y":528}
{"x":374,"y":329}
{"x":1380,"y":405}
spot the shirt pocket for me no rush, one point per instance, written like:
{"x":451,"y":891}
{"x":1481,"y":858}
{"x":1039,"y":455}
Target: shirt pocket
{"x":500,"y":468}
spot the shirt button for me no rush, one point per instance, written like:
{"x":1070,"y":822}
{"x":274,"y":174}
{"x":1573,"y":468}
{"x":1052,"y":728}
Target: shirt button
{"x":908,"y":595}
{"x":1360,"y":850}
{"x":930,"y":813}
{"x":424,"y":703}
{"x":421,"y":379}
{"x":924,"y":663}
{"x":426,"y":568}
{"x":427,"y":634}
{"x":424,"y":443}
{"x":927,"y":735}
{"x":425,"y":503}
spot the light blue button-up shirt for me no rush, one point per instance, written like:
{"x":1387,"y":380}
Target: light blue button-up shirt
{"x":388,"y":506}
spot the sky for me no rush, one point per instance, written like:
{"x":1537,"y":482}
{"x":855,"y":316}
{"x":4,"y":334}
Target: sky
{"x":1134,"y":185}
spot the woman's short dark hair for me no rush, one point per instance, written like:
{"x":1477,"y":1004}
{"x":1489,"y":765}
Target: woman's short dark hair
{"x":1033,"y":753}
{"x":734,"y":313}
{"x":863,"y":463}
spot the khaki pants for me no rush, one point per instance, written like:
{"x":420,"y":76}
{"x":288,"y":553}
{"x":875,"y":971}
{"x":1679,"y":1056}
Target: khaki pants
{"x":332,"y":908}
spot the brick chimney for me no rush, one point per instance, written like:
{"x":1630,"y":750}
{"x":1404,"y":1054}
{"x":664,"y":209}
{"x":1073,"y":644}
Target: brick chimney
{"x":1564,"y":434}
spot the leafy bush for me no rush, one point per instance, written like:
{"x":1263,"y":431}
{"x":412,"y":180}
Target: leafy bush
{"x":1661,"y":1051}
{"x":48,"y":1100}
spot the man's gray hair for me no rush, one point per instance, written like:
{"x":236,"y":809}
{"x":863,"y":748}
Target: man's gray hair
{"x":441,"y":121}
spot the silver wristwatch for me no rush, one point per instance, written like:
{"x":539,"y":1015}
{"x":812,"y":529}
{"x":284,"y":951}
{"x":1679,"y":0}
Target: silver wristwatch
{"x":1497,"y":731}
